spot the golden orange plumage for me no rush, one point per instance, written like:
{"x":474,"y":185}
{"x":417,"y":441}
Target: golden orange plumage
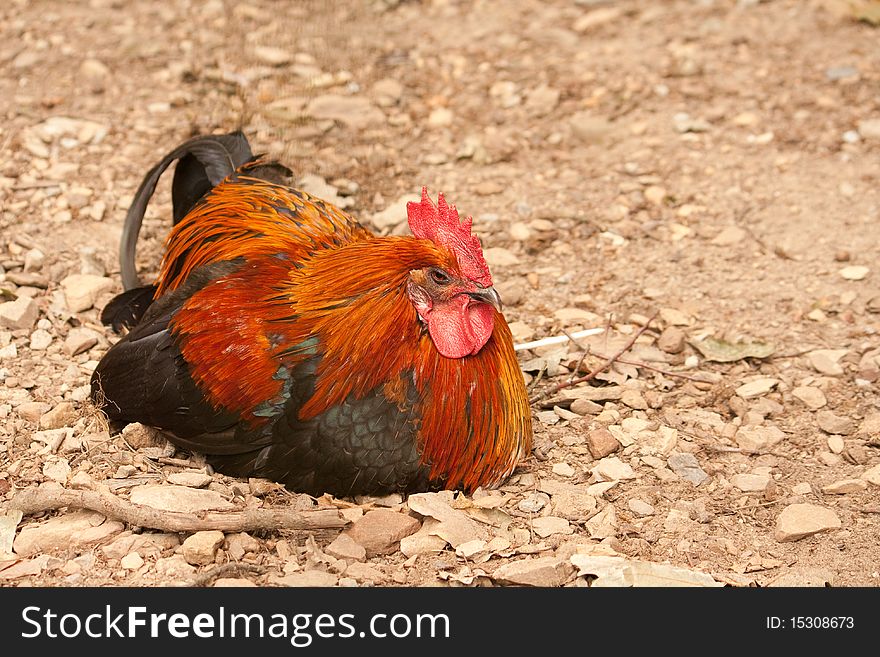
{"x":302,"y":347}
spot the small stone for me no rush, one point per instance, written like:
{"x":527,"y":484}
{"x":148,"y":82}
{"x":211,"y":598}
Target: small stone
{"x":440,"y":117}
{"x":56,"y":469}
{"x":686,"y":466}
{"x":140,"y":435}
{"x":201,"y":548}
{"x":62,"y":415}
{"x":798,"y":521}
{"x":612,"y":468}
{"x":590,"y":128}
{"x":600,"y":442}
{"x":545,"y":526}
{"x":520,"y":232}
{"x":756,"y":388}
{"x":190,"y":479}
{"x":521,"y":331}
{"x":542,"y":100}
{"x":814,"y":398}
{"x":869,"y":128}
{"x":422,"y":542}
{"x":872,"y":476}
{"x":672,"y":340}
{"x":179,"y":498}
{"x":825,"y":361}
{"x":587,"y":407}
{"x":563,"y":470}
{"x":364,"y":572}
{"x":40,"y":340}
{"x":640,"y":508}
{"x":543,"y":572}
{"x":750,"y":483}
{"x":175,"y":569}
{"x":83,"y":290}
{"x":352,"y":111}
{"x":655,"y":194}
{"x":831,"y":423}
{"x":870,"y":427}
{"x":634,"y":399}
{"x":845,"y":486}
{"x":533,"y":503}
{"x":79,"y":340}
{"x":19,"y":314}
{"x":273,"y":56}
{"x":131,"y":561}
{"x":64,"y":532}
{"x":836,"y":444}
{"x":674,"y":317}
{"x":570,"y":316}
{"x":854,"y":273}
{"x":573,"y":504}
{"x":758,"y":439}
{"x":379,"y":531}
{"x":344,"y":547}
{"x":497,"y":256}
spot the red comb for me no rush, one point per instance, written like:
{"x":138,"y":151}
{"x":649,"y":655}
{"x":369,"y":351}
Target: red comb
{"x":441,"y":225}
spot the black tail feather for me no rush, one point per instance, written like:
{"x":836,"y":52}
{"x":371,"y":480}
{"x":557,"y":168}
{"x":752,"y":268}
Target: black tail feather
{"x":125,"y":310}
{"x":204,"y":162}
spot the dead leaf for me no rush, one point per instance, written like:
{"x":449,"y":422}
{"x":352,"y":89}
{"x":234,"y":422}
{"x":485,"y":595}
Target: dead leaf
{"x":721,"y":351}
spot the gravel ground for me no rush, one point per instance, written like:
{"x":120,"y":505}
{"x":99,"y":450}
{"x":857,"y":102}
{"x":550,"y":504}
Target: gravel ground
{"x":713,"y":163}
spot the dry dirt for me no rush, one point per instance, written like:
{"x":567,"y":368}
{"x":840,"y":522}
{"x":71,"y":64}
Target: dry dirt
{"x":716,"y":161}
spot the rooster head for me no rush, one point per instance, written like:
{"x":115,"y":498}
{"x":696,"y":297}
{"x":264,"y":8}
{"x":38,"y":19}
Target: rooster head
{"x":457,"y":305}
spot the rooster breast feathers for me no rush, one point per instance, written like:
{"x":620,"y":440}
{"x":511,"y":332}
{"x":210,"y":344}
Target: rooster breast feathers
{"x":284,"y":342}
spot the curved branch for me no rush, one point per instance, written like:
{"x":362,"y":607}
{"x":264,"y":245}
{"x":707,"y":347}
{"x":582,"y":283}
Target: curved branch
{"x":35,"y":500}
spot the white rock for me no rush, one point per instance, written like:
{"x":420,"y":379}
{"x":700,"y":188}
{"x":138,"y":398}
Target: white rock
{"x":814,"y":398}
{"x":640,"y":508}
{"x":758,"y":439}
{"x":872,"y":476}
{"x":798,"y":521}
{"x":845,"y":486}
{"x":273,"y":56}
{"x":79,"y":340}
{"x":825,"y":361}
{"x":854,"y":272}
{"x":498,"y":256}
{"x":394,"y":213}
{"x":200,"y":549}
{"x":612,"y":468}
{"x":563,"y":469}
{"x":83,"y":290}
{"x":440,"y":117}
{"x":56,"y":469}
{"x":64,"y":532}
{"x":750,"y":483}
{"x":543,"y":571}
{"x":19,"y":314}
{"x":353,"y":111}
{"x":40,"y":340}
{"x":545,"y":526}
{"x":756,"y":388}
{"x":179,"y":498}
{"x":455,"y":527}
{"x":131,"y":561}
{"x":869,"y":128}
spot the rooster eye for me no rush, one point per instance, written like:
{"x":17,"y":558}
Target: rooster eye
{"x":439,"y":276}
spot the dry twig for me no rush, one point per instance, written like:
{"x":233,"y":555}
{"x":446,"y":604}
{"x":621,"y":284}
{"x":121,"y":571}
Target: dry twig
{"x":35,"y":500}
{"x":604,"y":366}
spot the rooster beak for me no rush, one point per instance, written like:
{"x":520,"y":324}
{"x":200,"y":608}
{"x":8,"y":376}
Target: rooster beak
{"x":487,"y":295}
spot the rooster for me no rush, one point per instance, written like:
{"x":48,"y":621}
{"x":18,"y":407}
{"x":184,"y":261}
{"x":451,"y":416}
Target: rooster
{"x":284,"y":340}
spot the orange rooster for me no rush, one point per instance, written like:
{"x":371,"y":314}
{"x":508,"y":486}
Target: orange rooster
{"x":284,"y":340}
